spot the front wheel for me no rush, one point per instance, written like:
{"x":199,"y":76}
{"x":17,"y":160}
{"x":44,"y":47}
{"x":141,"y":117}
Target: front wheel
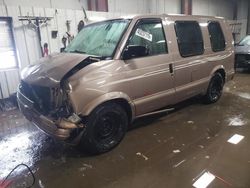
{"x":215,"y":88}
{"x":106,"y":127}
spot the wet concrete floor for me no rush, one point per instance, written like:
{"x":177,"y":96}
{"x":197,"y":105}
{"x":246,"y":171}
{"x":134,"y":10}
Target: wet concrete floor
{"x":172,"y":150}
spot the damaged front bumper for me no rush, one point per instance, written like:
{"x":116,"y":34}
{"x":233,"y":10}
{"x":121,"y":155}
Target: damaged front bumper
{"x":60,"y":129}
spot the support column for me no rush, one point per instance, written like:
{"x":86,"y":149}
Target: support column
{"x":186,"y":7}
{"x":248,"y":19}
{"x":235,"y":9}
{"x":98,"y":5}
{"x":235,"y":15}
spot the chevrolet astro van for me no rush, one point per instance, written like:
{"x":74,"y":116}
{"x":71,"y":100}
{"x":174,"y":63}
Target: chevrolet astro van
{"x":120,"y":69}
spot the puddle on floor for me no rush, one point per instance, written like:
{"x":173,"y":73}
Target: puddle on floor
{"x":243,"y":95}
{"x":236,"y":121}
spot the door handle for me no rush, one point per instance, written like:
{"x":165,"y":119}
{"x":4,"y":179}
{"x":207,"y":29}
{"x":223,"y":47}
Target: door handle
{"x":171,"y":69}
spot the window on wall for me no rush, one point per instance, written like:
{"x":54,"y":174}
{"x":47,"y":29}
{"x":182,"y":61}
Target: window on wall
{"x":7,"y":45}
{"x":189,"y":38}
{"x":216,"y":37}
{"x":98,"y":5}
{"x":149,"y":33}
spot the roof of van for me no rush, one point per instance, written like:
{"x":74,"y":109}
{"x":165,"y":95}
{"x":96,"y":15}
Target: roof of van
{"x":173,"y":16}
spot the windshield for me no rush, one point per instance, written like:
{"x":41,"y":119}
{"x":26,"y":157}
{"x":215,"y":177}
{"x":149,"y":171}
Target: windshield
{"x":245,"y":41}
{"x":99,"y":39}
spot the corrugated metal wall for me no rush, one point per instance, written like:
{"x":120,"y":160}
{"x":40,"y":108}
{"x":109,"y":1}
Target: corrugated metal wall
{"x":145,"y":6}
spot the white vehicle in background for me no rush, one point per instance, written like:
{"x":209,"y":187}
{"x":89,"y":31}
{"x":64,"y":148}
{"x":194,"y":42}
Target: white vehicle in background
{"x":242,"y":53}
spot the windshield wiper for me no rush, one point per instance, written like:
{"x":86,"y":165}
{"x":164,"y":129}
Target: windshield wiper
{"x":92,"y":57}
{"x":77,"y":51}
{"x":97,"y":58}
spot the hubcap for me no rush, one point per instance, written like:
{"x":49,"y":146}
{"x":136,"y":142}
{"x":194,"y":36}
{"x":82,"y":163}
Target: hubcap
{"x":107,"y":127}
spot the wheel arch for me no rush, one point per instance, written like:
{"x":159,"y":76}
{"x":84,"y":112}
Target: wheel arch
{"x":115,"y":97}
{"x":219,"y":69}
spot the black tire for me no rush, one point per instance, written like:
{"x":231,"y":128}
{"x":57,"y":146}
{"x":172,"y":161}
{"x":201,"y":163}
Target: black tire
{"x":106,"y":127}
{"x":215,"y":88}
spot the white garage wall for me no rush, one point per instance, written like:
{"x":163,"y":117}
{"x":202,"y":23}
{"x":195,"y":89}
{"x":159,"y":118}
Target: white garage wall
{"x":242,"y":14}
{"x":223,"y":8}
{"x":129,"y":6}
{"x":145,"y":6}
{"x":164,"y":6}
{"x":64,"y":4}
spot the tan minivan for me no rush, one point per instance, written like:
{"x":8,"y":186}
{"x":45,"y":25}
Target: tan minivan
{"x":117,"y":70}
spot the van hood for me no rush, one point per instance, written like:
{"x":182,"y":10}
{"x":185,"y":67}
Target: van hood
{"x":50,"y":71}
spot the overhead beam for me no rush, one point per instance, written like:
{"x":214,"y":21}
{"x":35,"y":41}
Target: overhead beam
{"x":186,"y":7}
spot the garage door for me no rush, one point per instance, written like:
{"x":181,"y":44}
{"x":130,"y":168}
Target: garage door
{"x":7,"y":46}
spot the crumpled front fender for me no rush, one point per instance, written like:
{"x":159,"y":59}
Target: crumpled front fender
{"x":88,"y":108}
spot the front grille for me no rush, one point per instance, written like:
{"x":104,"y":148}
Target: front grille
{"x":40,"y":95}
{"x":26,"y":90}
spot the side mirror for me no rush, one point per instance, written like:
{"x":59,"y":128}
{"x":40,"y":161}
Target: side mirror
{"x":133,"y":51}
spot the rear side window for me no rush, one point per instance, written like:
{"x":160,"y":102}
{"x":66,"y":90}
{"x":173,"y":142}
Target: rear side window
{"x":216,"y":36}
{"x":189,"y":38}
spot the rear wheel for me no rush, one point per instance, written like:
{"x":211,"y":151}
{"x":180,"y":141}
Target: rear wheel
{"x":106,"y":127}
{"x":215,"y":88}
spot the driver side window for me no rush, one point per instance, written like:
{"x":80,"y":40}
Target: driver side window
{"x":150,"y":34}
